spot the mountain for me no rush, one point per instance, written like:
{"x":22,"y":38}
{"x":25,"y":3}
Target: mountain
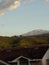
{"x":36,"y":32}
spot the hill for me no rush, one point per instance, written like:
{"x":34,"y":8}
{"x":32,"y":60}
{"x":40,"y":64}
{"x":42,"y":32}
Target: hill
{"x":22,"y":41}
{"x":25,"y":40}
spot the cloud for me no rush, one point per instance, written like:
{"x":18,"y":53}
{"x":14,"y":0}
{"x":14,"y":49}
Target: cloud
{"x":7,"y":5}
{"x":47,"y":1}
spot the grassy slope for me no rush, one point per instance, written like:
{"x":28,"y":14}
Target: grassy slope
{"x":7,"y":42}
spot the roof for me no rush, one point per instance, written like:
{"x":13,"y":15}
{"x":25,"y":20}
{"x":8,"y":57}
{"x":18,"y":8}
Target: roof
{"x":22,"y":57}
{"x":28,"y":52}
{"x":2,"y":62}
{"x":16,"y":59}
{"x":46,"y":56}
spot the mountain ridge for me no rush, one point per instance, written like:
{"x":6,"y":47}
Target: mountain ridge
{"x":36,"y":32}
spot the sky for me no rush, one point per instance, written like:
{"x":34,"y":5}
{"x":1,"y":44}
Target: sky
{"x":21,"y":16}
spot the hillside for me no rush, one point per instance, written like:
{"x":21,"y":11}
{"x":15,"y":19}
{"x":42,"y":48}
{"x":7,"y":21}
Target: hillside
{"x":22,"y":41}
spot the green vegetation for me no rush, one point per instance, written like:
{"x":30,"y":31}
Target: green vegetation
{"x":14,"y":41}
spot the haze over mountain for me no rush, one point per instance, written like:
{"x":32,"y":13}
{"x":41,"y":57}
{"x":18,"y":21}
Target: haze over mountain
{"x":36,"y":32}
